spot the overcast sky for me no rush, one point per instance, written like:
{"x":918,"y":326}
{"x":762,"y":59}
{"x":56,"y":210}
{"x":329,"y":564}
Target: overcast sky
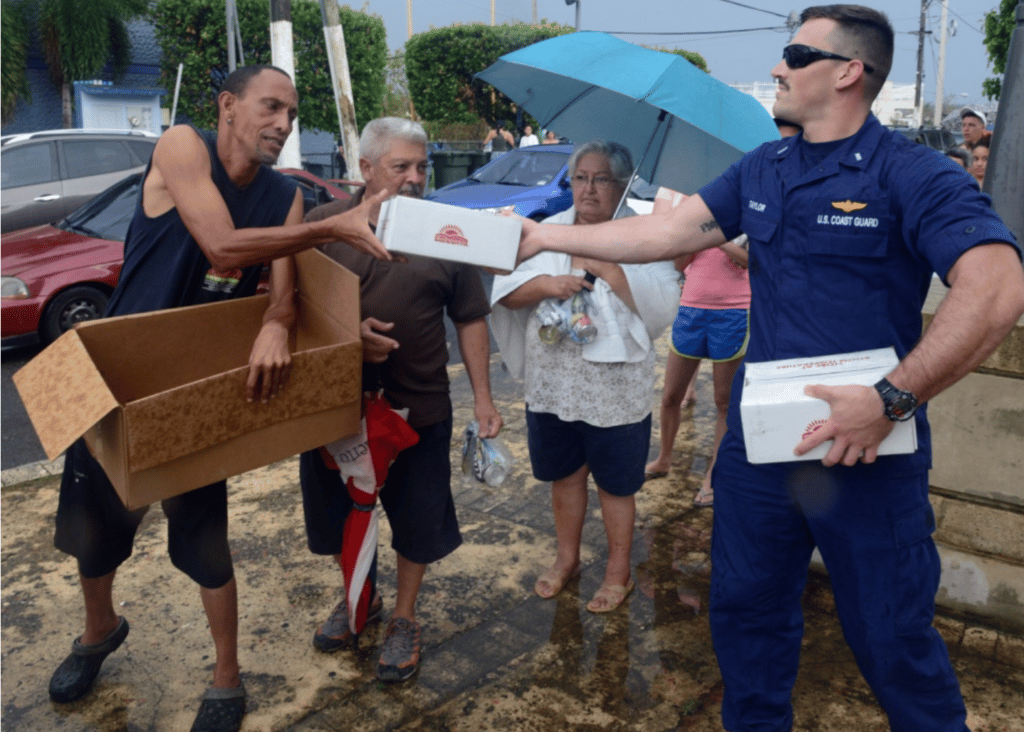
{"x":733,"y":56}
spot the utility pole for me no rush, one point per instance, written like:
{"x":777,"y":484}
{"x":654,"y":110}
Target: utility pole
{"x":577,"y":4}
{"x":492,"y":11}
{"x":1004,"y":177}
{"x":408,"y":15}
{"x":230,"y":18}
{"x":337,"y":60}
{"x":282,"y":55}
{"x":920,"y":65}
{"x":535,"y":12}
{"x":940,"y":76}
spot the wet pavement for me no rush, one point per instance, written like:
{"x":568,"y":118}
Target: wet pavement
{"x":496,"y":657}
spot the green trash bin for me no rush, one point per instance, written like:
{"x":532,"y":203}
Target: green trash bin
{"x":450,"y":166}
{"x":478,"y":159}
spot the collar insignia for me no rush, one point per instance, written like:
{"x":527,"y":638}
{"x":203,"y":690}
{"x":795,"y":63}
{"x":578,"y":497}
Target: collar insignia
{"x":848,"y":206}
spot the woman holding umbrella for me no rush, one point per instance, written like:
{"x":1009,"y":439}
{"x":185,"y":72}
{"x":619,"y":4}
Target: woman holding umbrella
{"x":588,"y":402}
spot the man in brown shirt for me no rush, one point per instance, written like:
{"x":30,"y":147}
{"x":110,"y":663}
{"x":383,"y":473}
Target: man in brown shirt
{"x":404,"y":352}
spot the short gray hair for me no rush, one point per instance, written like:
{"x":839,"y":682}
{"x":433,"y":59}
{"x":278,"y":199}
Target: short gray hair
{"x":619,"y":159}
{"x":378,"y":134}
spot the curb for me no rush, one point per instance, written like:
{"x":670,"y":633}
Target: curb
{"x":31,"y":471}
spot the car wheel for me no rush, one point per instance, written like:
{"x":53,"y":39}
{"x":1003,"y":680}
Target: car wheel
{"x":73,"y":305}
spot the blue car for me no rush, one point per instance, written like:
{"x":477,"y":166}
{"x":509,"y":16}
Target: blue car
{"x":532,"y":179}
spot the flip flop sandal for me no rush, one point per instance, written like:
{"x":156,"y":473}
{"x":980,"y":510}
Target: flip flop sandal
{"x":655,"y":474}
{"x":76,"y":674}
{"x":556,"y":581}
{"x":614,"y":594}
{"x":704,"y":498}
{"x":221,"y":710}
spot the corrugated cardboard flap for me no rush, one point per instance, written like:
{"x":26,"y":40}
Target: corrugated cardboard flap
{"x":211,"y":411}
{"x":64,"y":393}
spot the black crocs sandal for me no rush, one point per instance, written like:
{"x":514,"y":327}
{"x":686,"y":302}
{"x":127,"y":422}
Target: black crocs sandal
{"x":221,"y":710}
{"x":75,"y":676}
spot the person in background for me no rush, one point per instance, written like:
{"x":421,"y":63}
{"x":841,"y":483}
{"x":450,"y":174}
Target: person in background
{"x":960,"y":156}
{"x":711,"y":323}
{"x":825,"y":281}
{"x":528,"y":137}
{"x":972,"y":123}
{"x":979,"y":161}
{"x":550,"y":138}
{"x":405,"y":352}
{"x":588,"y":404}
{"x":499,"y":139}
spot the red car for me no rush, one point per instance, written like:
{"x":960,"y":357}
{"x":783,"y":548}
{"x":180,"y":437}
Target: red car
{"x":57,"y":275}
{"x":60,"y":274}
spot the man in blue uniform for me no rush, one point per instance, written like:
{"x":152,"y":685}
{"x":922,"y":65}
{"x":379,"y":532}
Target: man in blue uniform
{"x":846,"y":222}
{"x":210,"y":214}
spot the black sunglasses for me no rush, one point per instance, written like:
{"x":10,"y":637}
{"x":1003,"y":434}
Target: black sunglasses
{"x":798,"y":55}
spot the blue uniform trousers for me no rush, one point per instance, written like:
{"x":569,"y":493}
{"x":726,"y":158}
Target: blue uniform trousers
{"x":874,"y":533}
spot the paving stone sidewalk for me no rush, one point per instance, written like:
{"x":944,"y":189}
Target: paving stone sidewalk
{"x":496,"y":656}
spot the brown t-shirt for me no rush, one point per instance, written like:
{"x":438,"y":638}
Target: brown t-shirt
{"x":414,"y":296}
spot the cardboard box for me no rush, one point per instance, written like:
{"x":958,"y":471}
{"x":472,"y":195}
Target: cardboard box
{"x":414,"y":226}
{"x":160,"y":396}
{"x":777,"y":415}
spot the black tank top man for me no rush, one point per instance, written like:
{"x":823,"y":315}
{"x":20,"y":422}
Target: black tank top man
{"x":164,"y":267}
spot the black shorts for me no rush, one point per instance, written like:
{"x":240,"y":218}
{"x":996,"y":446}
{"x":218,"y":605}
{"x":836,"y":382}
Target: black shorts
{"x":616,"y":456}
{"x":94,"y":526}
{"x":417,"y":498}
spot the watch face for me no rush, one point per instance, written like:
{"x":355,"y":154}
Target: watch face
{"x":902,"y":407}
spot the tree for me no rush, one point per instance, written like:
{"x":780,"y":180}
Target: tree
{"x":79,"y":37}
{"x":14,"y":60}
{"x":692,"y":56}
{"x":193,"y":32}
{"x":999,"y":25}
{"x":440,"y":65}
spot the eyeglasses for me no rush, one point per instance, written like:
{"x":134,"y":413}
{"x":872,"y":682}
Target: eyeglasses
{"x":601,"y":182}
{"x":798,"y":55}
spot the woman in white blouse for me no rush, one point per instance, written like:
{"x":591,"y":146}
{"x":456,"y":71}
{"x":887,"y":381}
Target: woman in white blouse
{"x":588,"y":406}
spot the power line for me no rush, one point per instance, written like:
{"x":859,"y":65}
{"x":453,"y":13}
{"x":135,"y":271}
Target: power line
{"x":965,"y":22}
{"x":694,"y":33}
{"x":751,"y":7}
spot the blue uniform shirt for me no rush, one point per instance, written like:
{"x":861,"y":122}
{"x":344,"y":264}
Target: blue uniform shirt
{"x":841,"y":257}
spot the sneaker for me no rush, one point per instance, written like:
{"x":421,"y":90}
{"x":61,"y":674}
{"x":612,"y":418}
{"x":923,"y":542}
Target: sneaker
{"x":335,"y":632}
{"x":400,"y":656}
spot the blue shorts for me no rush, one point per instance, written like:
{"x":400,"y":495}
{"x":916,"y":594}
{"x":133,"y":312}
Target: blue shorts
{"x":416,"y":496}
{"x":717,"y":335}
{"x":616,"y":456}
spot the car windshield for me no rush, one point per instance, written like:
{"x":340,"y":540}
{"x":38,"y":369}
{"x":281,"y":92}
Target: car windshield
{"x":522,"y":169}
{"x":107,"y":216}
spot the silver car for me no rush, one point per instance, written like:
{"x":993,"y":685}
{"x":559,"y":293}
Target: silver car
{"x":47,"y":175}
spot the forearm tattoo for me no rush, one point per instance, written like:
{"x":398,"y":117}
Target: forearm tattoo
{"x":709,"y":226}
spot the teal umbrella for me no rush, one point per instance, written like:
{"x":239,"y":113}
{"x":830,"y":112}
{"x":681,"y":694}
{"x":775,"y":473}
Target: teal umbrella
{"x":684,"y":126}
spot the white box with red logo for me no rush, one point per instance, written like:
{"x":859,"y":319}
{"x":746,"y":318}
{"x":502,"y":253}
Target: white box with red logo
{"x":777,"y":415}
{"x":414,"y":226}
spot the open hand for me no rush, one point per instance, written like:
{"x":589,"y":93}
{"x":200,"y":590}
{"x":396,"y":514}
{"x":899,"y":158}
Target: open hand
{"x":270,"y":363}
{"x":353,"y":227}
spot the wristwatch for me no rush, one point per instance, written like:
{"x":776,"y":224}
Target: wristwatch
{"x":899,"y":405}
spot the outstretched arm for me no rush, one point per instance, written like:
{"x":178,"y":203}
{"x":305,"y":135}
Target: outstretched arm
{"x":180,"y":178}
{"x":687,"y":228}
{"x":985,"y":299}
